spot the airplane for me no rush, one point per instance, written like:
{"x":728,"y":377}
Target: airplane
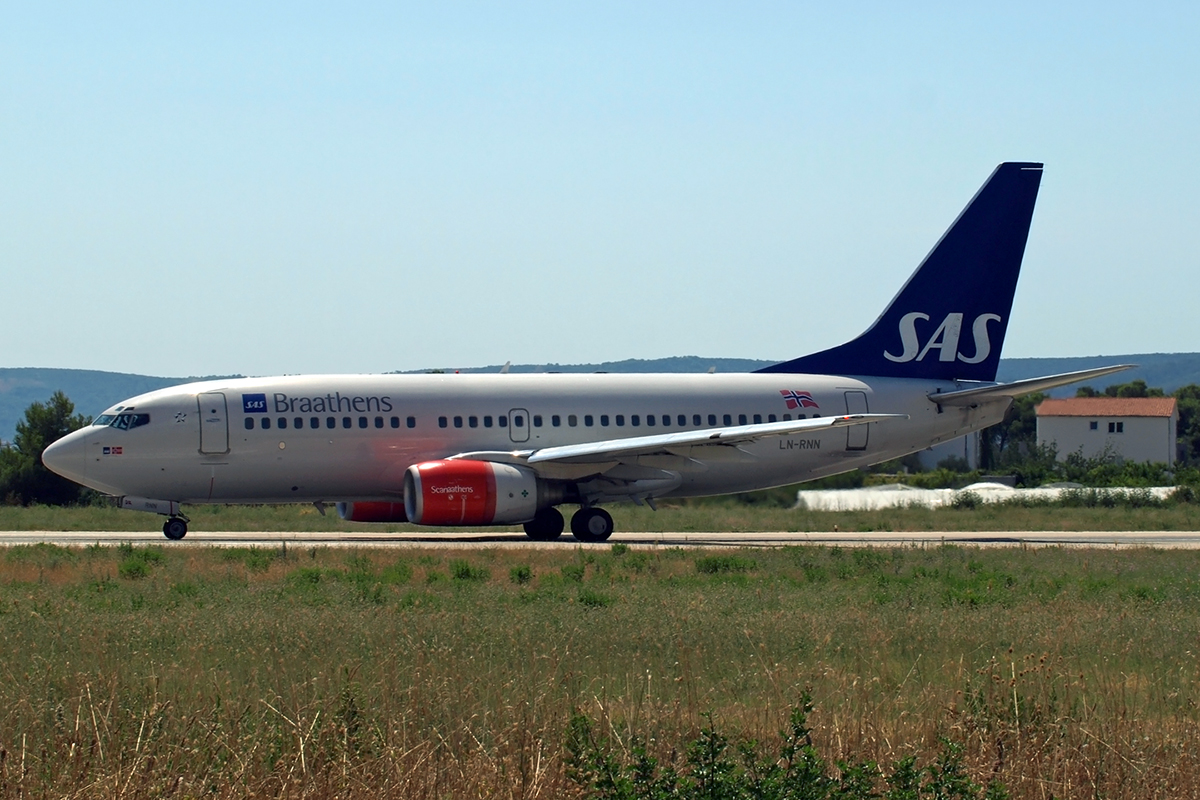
{"x":509,"y":449}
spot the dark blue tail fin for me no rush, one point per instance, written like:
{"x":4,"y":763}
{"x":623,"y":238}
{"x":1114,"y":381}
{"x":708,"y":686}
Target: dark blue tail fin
{"x":949,"y":320}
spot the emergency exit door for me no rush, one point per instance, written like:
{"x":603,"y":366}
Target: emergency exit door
{"x":214,"y":423}
{"x":856,"y":435}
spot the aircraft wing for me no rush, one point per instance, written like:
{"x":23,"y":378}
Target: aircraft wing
{"x":612,"y":451}
{"x":983,"y":394}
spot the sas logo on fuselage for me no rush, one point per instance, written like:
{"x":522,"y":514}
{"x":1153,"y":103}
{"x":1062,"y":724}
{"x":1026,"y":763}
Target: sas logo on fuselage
{"x":796,"y":399}
{"x":254,"y":403}
{"x":944,"y":339}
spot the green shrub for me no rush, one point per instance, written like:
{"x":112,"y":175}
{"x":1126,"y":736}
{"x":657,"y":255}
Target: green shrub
{"x":593,"y":599}
{"x":573,"y":572}
{"x":619,"y":549}
{"x":396,"y":574}
{"x":133,"y":569}
{"x":715,"y":565}
{"x":463,"y":571}
{"x":521,"y":575}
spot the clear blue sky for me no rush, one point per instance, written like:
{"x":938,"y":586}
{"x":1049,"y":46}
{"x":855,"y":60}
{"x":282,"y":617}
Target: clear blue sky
{"x":286,"y":187}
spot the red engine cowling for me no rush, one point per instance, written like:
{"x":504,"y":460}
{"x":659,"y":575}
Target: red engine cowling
{"x":372,"y":512}
{"x":469,"y":493}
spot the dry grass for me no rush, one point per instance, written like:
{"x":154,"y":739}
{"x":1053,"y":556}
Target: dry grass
{"x":241,"y":673}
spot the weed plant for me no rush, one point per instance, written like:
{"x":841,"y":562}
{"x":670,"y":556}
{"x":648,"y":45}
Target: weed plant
{"x":431,"y":673}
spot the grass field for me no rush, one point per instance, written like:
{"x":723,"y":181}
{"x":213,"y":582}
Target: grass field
{"x":239,"y":672}
{"x":704,"y":516}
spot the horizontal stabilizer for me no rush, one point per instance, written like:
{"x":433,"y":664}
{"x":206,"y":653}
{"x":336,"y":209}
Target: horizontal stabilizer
{"x":982,"y":394}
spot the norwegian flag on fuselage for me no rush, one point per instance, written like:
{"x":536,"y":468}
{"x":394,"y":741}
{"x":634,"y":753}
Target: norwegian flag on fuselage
{"x":796,"y":399}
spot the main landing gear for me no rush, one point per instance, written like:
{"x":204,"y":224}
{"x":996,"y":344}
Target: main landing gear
{"x":175,"y":528}
{"x":587,"y":525}
{"x":546,"y":526}
{"x":591,"y":524}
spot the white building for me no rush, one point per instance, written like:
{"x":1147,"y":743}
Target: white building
{"x":1134,"y":428}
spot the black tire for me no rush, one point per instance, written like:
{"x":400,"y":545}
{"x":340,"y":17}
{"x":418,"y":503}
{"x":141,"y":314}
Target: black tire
{"x":546,"y":526}
{"x":591,"y":525}
{"x":175,"y":528}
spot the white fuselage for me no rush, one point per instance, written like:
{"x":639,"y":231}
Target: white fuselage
{"x":351,"y":437}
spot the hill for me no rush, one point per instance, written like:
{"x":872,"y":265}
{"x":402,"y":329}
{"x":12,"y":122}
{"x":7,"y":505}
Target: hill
{"x":93,"y":391}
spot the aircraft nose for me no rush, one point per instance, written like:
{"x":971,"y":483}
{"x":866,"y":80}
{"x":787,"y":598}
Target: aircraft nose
{"x":68,"y":456}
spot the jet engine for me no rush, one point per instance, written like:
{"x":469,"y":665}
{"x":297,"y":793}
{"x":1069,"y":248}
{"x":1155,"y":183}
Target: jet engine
{"x":372,"y":512}
{"x":464,"y":492}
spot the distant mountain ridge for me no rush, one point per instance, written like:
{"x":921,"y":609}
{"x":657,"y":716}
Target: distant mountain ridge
{"x":93,"y":391}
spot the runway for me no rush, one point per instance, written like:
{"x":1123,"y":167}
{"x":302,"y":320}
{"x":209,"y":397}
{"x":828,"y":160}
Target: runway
{"x":1183,"y":540}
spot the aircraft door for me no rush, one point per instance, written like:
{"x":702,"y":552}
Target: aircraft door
{"x":214,"y":423}
{"x":518,"y":425}
{"x":856,"y":435}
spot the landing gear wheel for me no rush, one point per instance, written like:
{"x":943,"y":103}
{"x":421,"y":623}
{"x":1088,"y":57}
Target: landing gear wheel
{"x":546,"y":526}
{"x":591,"y":525}
{"x":175,"y":528}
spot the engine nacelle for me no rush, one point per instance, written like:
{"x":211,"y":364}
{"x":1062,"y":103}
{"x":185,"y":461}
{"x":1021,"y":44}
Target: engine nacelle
{"x":372,"y":512}
{"x":463,"y":492}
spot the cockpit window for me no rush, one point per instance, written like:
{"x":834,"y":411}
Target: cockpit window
{"x":104,"y":419}
{"x":130,"y":421}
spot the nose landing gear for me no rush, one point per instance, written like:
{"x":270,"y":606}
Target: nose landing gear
{"x":175,"y":528}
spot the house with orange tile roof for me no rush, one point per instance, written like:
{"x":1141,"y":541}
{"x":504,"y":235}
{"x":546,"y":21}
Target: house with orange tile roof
{"x":1133,"y":428}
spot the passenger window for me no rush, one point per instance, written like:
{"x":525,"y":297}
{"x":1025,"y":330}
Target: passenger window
{"x":518,"y":421}
{"x":620,"y":420}
{"x":502,"y":421}
{"x":395,"y":422}
{"x":682,"y":420}
{"x":666,"y":420}
{"x":379,"y":422}
{"x":487,"y":422}
{"x":537,"y":420}
{"x":266,"y":423}
{"x":282,"y":423}
{"x":712,"y":420}
{"x":458,"y":422}
{"x":314,"y":423}
{"x":346,"y":422}
{"x":649,"y":420}
{"x":362,"y":422}
{"x":728,"y":419}
{"x":604,"y":420}
{"x":556,"y":420}
{"x":249,"y":423}
{"x":330,"y":423}
{"x":588,"y":420}
{"x":572,"y":420}
{"x":771,"y":418}
{"x":412,"y":422}
{"x":787,"y":417}
{"x":696,"y":420}
{"x":442,"y":422}
{"x":635,"y":420}
{"x":741,"y":419}
{"x":473,"y":422}
{"x":298,"y":423}
{"x":758,"y":419}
